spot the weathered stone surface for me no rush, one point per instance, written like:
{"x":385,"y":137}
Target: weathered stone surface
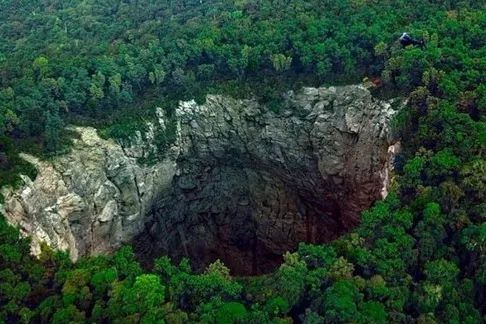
{"x":88,"y":201}
{"x":240,"y":183}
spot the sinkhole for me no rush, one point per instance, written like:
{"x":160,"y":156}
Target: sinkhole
{"x":252,"y":184}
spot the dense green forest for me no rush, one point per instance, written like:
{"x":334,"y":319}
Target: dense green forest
{"x":418,"y":256}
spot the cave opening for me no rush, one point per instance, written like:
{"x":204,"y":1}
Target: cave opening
{"x":245,"y":217}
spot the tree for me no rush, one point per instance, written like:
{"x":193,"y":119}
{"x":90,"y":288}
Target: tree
{"x":53,"y":130}
{"x":441,"y":272}
{"x":281,"y":62}
{"x":230,"y":313}
{"x":373,"y":312}
{"x":157,"y":76}
{"x":144,"y":300}
{"x":41,"y":67}
{"x":340,"y":302}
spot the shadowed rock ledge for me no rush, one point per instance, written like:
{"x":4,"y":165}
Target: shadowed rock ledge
{"x":239,"y":183}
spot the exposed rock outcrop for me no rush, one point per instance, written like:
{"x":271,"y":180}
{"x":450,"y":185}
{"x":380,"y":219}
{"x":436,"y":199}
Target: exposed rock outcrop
{"x":239,"y":183}
{"x":88,"y":201}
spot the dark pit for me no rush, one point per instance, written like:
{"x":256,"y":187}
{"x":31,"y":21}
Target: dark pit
{"x":251,"y":185}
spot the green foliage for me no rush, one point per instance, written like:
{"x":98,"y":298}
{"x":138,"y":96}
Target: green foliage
{"x":53,"y":132}
{"x":373,"y":312}
{"x":340,"y":302}
{"x":40,"y":66}
{"x":143,"y":300}
{"x":281,"y":62}
{"x":230,"y":313}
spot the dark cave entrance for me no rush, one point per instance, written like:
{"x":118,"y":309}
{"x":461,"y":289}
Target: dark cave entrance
{"x":247,"y":218}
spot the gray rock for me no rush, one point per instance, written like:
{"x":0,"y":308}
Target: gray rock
{"x":77,"y":200}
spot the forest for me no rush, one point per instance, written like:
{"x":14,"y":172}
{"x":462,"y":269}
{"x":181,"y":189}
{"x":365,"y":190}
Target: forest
{"x":419,"y":256}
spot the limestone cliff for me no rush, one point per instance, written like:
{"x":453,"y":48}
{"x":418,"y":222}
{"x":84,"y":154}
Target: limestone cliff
{"x":88,"y":201}
{"x":239,"y":183}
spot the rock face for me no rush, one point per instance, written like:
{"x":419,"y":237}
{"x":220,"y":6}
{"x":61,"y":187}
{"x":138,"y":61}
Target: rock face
{"x":88,"y":201}
{"x":239,"y":183}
